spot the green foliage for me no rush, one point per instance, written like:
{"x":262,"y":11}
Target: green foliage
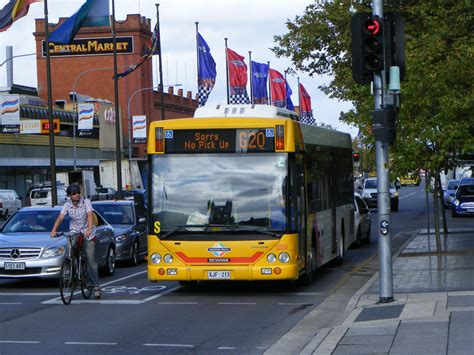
{"x":436,"y":119}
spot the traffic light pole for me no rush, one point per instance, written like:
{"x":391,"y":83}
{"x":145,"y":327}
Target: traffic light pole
{"x":383,"y":195}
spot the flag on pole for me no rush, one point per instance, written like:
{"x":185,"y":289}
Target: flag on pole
{"x":206,"y":70}
{"x":150,"y":49}
{"x":306,"y":113}
{"x":278,"y":88}
{"x":259,"y":83}
{"x":237,"y":78}
{"x":91,"y":13}
{"x":13,"y":11}
{"x":289,"y":92}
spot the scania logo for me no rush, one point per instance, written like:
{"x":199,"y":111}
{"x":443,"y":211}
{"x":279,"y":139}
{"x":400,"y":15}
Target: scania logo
{"x":15,"y":253}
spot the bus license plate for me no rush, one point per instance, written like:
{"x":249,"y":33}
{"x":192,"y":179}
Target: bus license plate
{"x":14,"y":266}
{"x":218,"y":275}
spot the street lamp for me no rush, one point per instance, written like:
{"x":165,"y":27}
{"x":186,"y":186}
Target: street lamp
{"x":130,"y":128}
{"x":74,"y":103}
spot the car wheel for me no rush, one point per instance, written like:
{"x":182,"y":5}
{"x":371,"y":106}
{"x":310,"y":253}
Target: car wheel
{"x":135,"y":254}
{"x":110,"y":262}
{"x":308,"y":276}
{"x":340,"y":246}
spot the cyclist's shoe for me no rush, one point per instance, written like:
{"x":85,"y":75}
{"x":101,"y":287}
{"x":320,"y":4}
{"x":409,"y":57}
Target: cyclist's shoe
{"x":97,"y":293}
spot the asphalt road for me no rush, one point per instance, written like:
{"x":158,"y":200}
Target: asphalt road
{"x":135,"y":315}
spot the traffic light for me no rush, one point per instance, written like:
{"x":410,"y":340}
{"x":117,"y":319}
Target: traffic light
{"x":355,"y":156}
{"x":370,"y":46}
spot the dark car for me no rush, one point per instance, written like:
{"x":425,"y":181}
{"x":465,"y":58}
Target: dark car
{"x":27,"y":250}
{"x":463,"y":203}
{"x":129,"y":223}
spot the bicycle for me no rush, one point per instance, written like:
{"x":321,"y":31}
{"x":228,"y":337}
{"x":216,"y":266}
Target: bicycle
{"x":74,"y":269}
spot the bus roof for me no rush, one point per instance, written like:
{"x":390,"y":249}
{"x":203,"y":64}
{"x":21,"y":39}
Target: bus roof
{"x":256,"y":111}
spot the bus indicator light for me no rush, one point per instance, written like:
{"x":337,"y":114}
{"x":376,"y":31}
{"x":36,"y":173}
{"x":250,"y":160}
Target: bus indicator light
{"x":159,"y":140}
{"x":280,"y":137}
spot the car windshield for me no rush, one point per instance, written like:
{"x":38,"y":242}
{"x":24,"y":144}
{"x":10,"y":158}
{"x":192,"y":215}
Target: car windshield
{"x":453,"y":185}
{"x":245,"y":191}
{"x":371,"y":184}
{"x":115,"y":213}
{"x":465,"y":191}
{"x":35,"y":221}
{"x":39,"y":194}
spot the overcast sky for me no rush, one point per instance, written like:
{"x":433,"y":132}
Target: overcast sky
{"x":249,"y":25}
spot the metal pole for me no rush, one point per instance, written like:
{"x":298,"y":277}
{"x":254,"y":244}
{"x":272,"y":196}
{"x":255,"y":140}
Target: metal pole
{"x":383,"y":195}
{"x":162,"y":95}
{"x":9,"y":66}
{"x":117,"y":108}
{"x":52,"y":152}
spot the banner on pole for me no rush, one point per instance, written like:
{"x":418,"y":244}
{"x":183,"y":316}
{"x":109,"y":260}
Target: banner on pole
{"x":85,"y":119}
{"x":9,"y":113}
{"x":139,"y":129}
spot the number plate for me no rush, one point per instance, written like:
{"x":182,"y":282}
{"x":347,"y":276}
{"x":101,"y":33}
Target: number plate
{"x":470,"y":210}
{"x":14,"y":266}
{"x":218,"y":275}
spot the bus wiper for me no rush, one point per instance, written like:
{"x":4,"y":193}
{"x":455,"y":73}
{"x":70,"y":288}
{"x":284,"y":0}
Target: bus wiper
{"x":205,"y":227}
{"x":263,"y":231}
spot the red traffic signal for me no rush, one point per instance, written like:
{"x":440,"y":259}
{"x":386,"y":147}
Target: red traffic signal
{"x":355,"y":156}
{"x":372,"y":26}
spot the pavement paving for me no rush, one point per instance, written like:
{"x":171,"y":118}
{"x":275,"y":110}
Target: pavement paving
{"x":433,"y":311}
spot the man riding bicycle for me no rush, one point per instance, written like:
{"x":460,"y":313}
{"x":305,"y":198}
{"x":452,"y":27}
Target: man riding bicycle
{"x":81,"y":219}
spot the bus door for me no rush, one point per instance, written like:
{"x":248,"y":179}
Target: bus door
{"x":298,"y":204}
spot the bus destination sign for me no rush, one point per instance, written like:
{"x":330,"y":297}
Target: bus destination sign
{"x":248,"y":140}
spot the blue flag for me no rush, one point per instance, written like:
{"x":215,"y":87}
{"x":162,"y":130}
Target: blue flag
{"x":289,"y":103}
{"x":259,"y":83}
{"x":206,"y":70}
{"x":91,"y":13}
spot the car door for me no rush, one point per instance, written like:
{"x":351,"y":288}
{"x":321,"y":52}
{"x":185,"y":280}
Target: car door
{"x":364,"y":215}
{"x":141,"y":230}
{"x":103,"y":236}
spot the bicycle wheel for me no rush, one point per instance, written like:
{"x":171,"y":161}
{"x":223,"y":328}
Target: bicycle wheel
{"x":86,"y":286}
{"x":66,"y":281}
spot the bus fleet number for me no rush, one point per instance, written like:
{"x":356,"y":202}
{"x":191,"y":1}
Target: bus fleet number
{"x":252,"y":140}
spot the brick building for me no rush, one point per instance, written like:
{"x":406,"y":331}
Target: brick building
{"x":86,"y":67}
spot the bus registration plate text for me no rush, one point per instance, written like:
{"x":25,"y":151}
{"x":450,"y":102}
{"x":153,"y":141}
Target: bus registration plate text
{"x":218,"y":275}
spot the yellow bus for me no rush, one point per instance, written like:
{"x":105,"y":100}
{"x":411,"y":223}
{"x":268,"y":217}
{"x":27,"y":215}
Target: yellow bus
{"x":246,"y":193}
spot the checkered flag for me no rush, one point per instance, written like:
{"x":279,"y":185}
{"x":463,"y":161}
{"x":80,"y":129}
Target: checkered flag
{"x":307,"y":117}
{"x":239,"y":96}
{"x":204,"y":90}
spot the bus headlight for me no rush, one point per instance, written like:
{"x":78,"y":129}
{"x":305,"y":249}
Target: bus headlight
{"x":271,"y":258}
{"x":168,"y":259}
{"x":155,"y":258}
{"x":284,"y":257}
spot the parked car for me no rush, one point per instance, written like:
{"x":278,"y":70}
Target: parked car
{"x":9,"y":203}
{"x":42,"y":196}
{"x":463,"y":203}
{"x":362,"y":220}
{"x":27,"y":250}
{"x":129,"y":225}
{"x":448,"y":194}
{"x":369,"y":194}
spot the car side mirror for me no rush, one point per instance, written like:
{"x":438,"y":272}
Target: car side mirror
{"x":141,"y":220}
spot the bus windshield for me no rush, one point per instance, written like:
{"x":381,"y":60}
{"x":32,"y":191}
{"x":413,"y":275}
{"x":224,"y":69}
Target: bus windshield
{"x":244,"y":192}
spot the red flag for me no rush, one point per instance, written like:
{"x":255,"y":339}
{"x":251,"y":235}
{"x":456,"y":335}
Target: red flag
{"x":237,"y":78}
{"x":278,"y":88}
{"x":306,"y":113}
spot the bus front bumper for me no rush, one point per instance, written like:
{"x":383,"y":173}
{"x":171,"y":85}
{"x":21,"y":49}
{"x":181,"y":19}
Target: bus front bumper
{"x":222,"y":272}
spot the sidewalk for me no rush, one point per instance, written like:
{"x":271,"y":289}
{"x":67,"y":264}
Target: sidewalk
{"x":433,"y":312}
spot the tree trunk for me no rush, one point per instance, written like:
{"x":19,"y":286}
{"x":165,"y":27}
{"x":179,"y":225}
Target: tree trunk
{"x":436,"y":212}
{"x":443,"y":210}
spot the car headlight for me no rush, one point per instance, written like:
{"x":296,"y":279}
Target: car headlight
{"x":284,"y":257}
{"x":155,"y":258}
{"x":367,"y":195}
{"x":456,"y":202}
{"x":53,"y":252}
{"x":121,"y":238}
{"x":395,"y":194}
{"x":271,"y":258}
{"x":168,"y":259}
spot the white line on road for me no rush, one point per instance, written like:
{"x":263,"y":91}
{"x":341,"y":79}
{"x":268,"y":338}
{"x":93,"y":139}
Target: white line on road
{"x":9,"y":303}
{"x":405,"y":196}
{"x":226,"y":348}
{"x":124,"y":278}
{"x":239,"y":303}
{"x":171,"y":345}
{"x":86,"y":343}
{"x":19,"y":342}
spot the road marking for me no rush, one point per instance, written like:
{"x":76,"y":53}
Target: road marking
{"x":19,"y":342}
{"x":124,"y":278}
{"x":226,"y":348}
{"x":172,"y":345}
{"x":9,"y":303}
{"x":405,"y":196}
{"x":30,"y":294}
{"x":86,"y":343}
{"x":239,"y":303}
